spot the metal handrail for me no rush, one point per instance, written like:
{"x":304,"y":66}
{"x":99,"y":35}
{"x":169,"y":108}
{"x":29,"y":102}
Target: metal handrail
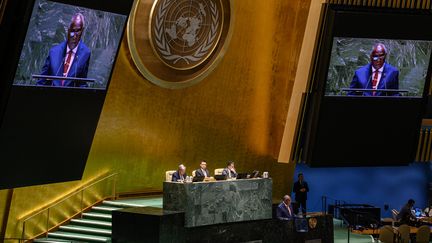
{"x":81,"y":190}
{"x":325,"y":203}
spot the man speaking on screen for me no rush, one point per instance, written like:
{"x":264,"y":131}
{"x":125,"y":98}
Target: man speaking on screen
{"x":69,"y":58}
{"x":377,"y":74}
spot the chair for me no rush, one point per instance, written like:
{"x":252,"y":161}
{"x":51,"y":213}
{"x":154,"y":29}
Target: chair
{"x":395,"y":213}
{"x":168,"y":175}
{"x":193,"y":173}
{"x":218,"y":171}
{"x":387,"y":221}
{"x":404,"y":233}
{"x":427,"y":212}
{"x":386,"y":234}
{"x":423,"y":234}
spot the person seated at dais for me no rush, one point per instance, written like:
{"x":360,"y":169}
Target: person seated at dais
{"x":202,"y":171}
{"x":180,"y":174}
{"x":230,"y":171}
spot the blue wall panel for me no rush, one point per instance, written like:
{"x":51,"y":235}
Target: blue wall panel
{"x":369,"y":185}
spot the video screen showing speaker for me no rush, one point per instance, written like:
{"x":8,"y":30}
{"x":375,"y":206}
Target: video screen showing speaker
{"x":56,"y":67}
{"x":69,"y":46}
{"x":378,"y":67}
{"x":369,"y":83}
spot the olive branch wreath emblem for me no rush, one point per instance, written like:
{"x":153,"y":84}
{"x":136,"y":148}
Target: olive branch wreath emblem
{"x":163,"y":46}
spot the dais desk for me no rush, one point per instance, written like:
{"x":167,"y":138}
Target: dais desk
{"x":208,"y":203}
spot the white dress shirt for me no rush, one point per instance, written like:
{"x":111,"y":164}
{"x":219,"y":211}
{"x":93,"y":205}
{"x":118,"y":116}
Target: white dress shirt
{"x":204,"y":173}
{"x":289,"y":209}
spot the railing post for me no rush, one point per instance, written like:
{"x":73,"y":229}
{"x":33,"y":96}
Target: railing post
{"x":47,"y":222}
{"x":82,"y":203}
{"x":325,"y":205}
{"x":114,"y":187}
{"x":23,"y":231}
{"x":322,"y":203}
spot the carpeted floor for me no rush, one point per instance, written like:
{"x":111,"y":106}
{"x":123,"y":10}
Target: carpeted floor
{"x":341,"y":234}
{"x":144,"y":201}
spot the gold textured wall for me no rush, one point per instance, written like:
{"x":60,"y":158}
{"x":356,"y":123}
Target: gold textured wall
{"x":3,"y":204}
{"x":237,"y":113}
{"x":301,"y":80}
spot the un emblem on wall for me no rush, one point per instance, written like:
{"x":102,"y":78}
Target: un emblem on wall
{"x":185,"y":33}
{"x":177,"y":43}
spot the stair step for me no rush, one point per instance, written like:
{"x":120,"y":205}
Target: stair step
{"x":79,"y":237}
{"x":104,"y":208}
{"x":122,"y":204}
{"x":51,"y":240}
{"x":92,"y":223}
{"x":86,"y":230}
{"x":97,"y":216}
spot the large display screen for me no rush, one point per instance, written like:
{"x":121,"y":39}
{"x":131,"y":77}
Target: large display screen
{"x":378,"y":67}
{"x":77,"y":43}
{"x":368,"y":87}
{"x":56,"y":62}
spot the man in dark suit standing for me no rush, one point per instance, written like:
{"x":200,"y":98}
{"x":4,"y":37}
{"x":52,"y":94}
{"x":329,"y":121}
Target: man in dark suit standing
{"x":180,"y":174}
{"x":69,"y":58}
{"x":376,"y":75}
{"x":301,"y":189}
{"x":284,"y":210}
{"x":202,"y":171}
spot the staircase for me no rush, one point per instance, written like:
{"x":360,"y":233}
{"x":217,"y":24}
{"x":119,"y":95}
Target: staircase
{"x":94,"y":226}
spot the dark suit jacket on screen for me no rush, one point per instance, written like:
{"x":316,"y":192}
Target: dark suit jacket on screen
{"x":283,"y":213}
{"x":199,"y":172}
{"x":54,"y":64}
{"x":363,"y":80}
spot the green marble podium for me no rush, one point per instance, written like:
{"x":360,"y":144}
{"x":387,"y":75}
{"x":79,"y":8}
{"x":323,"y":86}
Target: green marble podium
{"x":208,"y":203}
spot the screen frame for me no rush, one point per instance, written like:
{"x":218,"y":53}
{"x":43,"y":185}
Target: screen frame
{"x":92,"y":6}
{"x":60,"y":155}
{"x":349,"y":22}
{"x":15,"y":24}
{"x":426,"y":84}
{"x":344,"y":21}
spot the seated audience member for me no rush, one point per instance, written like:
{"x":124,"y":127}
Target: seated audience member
{"x":406,"y":215}
{"x":230,"y":171}
{"x":428,"y":211}
{"x":284,"y":211}
{"x":180,"y":174}
{"x":202,"y":171}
